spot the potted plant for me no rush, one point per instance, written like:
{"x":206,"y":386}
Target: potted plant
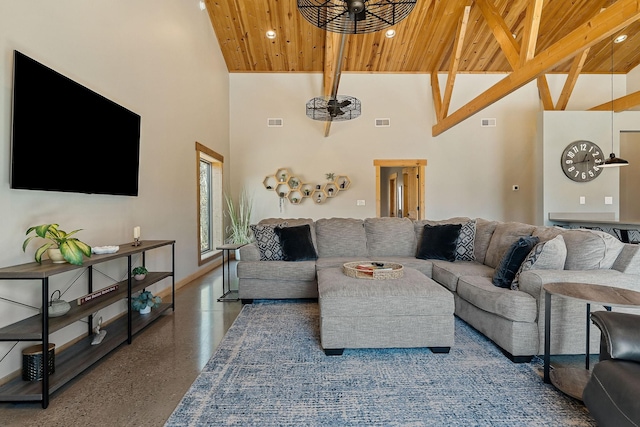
{"x":139,"y":273}
{"x":145,"y":301}
{"x":294,"y":183}
{"x":330,"y":176}
{"x":70,"y":248}
{"x":239,"y":230}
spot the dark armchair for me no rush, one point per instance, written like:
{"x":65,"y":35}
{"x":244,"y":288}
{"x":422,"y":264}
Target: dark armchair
{"x":612,"y":395}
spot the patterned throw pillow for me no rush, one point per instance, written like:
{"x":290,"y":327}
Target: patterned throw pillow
{"x":512,"y":260}
{"x":466,"y":242}
{"x":268,"y":241}
{"x":549,"y":255}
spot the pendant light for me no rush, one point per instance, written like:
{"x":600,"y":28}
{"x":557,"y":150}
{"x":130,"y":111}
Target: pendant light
{"x":613,"y":161}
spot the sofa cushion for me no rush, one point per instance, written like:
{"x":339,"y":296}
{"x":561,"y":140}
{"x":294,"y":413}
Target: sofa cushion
{"x":418,"y":224}
{"x":545,"y":233}
{"x":590,"y":249}
{"x":547,"y":255}
{"x":513,"y":305}
{"x":439,"y":242}
{"x":278,"y":270}
{"x":447,"y":273}
{"x":293,"y":222}
{"x":629,"y":260}
{"x":484,"y":231}
{"x":341,"y":237}
{"x":465,"y":245}
{"x":505,"y":234}
{"x":296,"y":243}
{"x":512,"y":260}
{"x":390,"y":237}
{"x":268,"y":241}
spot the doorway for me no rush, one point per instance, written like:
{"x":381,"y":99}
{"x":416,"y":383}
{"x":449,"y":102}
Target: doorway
{"x":400,"y":188}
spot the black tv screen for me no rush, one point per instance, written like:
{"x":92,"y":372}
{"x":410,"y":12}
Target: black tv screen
{"x":66,"y":137}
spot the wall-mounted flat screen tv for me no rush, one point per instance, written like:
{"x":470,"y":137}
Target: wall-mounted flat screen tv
{"x":66,"y":137}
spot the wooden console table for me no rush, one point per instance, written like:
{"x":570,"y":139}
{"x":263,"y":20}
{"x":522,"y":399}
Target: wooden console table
{"x":572,"y":380}
{"x":71,"y":361}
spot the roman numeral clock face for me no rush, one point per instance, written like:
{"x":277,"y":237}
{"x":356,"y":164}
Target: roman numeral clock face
{"x":580,"y":161}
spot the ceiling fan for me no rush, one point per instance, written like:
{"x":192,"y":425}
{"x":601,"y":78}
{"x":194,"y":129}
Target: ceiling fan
{"x":338,"y":109}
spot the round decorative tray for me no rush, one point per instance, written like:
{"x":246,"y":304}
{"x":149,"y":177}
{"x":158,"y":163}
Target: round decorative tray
{"x":373,"y":270}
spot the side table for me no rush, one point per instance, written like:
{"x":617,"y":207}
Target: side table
{"x":571,"y":380}
{"x":226,"y":250}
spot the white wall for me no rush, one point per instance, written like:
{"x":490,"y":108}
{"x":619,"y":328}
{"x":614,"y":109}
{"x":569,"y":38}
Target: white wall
{"x":470,"y":170}
{"x":159,"y":58}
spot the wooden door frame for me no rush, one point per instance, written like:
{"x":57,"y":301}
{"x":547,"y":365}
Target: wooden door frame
{"x":390,"y":163}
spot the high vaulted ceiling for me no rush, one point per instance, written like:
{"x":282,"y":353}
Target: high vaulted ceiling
{"x":526,"y":38}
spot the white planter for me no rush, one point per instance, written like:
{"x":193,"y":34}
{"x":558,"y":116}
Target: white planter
{"x":237,"y":254}
{"x":145,"y":310}
{"x":55,"y":256}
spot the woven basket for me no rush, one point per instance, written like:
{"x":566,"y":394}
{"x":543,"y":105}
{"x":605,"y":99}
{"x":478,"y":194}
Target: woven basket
{"x":397,"y":270}
{"x":32,"y":362}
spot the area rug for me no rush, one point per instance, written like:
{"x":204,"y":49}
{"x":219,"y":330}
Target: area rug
{"x":270,"y":370}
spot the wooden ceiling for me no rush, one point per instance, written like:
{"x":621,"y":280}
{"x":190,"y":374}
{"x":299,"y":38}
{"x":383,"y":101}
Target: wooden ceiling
{"x":526,"y":38}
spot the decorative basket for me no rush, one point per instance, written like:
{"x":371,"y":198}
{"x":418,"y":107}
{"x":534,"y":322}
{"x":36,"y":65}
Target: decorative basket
{"x":32,"y":362}
{"x":373,"y":270}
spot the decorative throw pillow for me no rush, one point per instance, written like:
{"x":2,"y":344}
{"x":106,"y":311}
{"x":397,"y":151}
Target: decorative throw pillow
{"x":549,"y":255}
{"x":268,"y":242}
{"x":466,"y":242}
{"x":511,"y":261}
{"x":439,"y":242}
{"x":296,"y":242}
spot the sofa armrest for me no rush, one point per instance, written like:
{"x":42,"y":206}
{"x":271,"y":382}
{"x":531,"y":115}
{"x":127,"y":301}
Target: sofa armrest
{"x":250,"y":252}
{"x":621,"y":332}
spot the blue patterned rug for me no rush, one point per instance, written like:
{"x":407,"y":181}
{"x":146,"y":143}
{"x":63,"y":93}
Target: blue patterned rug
{"x":270,"y":370}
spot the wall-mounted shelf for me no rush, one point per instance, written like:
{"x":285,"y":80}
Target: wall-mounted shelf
{"x":71,"y":361}
{"x":287,"y":185}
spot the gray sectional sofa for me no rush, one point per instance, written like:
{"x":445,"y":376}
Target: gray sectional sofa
{"x":513,"y":318}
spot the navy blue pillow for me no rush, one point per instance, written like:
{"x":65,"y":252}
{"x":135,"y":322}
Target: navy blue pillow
{"x":439,"y":242}
{"x":296,"y":242}
{"x":511,"y":261}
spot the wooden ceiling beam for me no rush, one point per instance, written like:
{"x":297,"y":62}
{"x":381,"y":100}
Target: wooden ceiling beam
{"x":545,"y":93}
{"x":614,"y":18}
{"x":435,"y":93}
{"x":531,"y":27}
{"x":621,"y":104}
{"x":501,"y":32}
{"x":572,"y":78}
{"x":455,"y":62}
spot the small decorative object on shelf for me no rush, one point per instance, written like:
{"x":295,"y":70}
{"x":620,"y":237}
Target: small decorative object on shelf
{"x":96,"y":294}
{"x":330,"y":176}
{"x":318,"y":187}
{"x":307,"y":192}
{"x":330,"y":190}
{"x":71,"y":249}
{"x":136,"y":236}
{"x":57,"y":307}
{"x":145,"y":301}
{"x":283,"y":177}
{"x":99,"y":334}
{"x":32,"y":366}
{"x":139,"y":273}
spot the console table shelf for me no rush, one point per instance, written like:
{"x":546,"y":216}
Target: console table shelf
{"x":76,"y":358}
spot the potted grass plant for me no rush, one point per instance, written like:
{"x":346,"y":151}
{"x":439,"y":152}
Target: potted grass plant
{"x":239,"y":214}
{"x":61,"y":246}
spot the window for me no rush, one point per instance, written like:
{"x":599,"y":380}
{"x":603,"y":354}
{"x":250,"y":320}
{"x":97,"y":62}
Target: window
{"x":210,"y":203}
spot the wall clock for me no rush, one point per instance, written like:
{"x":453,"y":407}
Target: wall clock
{"x":580,"y":161}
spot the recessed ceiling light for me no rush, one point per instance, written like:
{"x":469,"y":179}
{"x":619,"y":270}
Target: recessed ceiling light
{"x":620,"y":38}
{"x":202,"y":5}
{"x":271,"y":34}
{"x":390,"y":33}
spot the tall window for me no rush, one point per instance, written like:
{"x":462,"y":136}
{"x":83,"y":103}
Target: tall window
{"x":210,"y":203}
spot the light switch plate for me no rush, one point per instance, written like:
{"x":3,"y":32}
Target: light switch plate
{"x":608,"y":200}
{"x":583,"y":200}
{"x":360,"y":203}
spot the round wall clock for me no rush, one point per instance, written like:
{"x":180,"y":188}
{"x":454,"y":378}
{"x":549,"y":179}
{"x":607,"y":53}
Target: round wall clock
{"x":580,"y":161}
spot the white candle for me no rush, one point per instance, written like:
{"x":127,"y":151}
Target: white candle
{"x":136,"y":232}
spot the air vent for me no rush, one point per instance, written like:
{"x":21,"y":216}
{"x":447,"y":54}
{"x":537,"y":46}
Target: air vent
{"x":275,"y":123}
{"x":488,"y":123}
{"x":383,"y":123}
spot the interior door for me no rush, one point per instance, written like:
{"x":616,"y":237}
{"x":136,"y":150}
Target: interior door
{"x":393,"y":195}
{"x":410,"y":177}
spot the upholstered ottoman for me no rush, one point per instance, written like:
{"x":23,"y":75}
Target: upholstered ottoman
{"x":411,"y":311}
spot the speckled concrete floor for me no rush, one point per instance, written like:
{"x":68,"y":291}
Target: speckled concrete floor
{"x":142,"y":383}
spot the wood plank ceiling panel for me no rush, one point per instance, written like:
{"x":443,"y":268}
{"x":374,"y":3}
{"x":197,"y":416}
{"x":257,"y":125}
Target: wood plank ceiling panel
{"x":423,"y":43}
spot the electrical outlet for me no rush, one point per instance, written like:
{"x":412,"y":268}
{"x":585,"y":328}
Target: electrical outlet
{"x":608,"y":200}
{"x":583,"y":200}
{"x":360,"y":203}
